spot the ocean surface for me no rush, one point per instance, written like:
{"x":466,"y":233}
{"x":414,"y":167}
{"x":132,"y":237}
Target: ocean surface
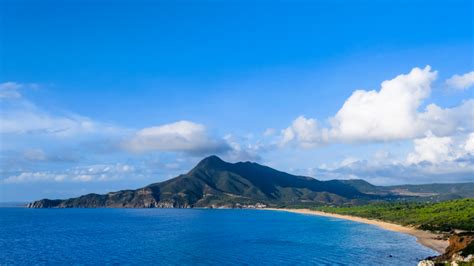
{"x":196,"y":236}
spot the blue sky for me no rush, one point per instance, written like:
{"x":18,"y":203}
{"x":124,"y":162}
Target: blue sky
{"x":102,"y":95}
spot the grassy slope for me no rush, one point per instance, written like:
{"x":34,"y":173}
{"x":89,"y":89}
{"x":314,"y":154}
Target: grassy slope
{"x":442,"y":216}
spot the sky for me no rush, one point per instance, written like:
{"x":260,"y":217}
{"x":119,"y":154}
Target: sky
{"x":97,"y":96}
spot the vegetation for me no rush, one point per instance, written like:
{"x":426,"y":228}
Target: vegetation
{"x":441,"y":216}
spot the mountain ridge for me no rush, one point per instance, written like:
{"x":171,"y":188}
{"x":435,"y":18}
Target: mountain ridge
{"x":216,"y":183}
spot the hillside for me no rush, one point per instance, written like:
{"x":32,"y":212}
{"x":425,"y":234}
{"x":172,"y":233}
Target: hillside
{"x":440,"y":216}
{"x":215,"y":183}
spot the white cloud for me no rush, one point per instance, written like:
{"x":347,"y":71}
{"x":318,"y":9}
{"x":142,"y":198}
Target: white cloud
{"x":392,"y":113}
{"x":304,"y":131}
{"x":34,"y":177}
{"x":436,"y":150}
{"x":39,"y":122}
{"x":433,"y":159}
{"x":22,"y":117}
{"x":461,"y":82}
{"x":446,"y":121}
{"x":469,"y":145}
{"x":184,"y":136}
{"x":432,"y":149}
{"x":19,"y":116}
{"x":92,"y":173}
{"x":388,"y":114}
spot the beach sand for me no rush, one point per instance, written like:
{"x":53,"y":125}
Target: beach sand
{"x":427,"y":239}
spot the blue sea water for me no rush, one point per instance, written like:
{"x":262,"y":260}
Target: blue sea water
{"x":196,"y":236}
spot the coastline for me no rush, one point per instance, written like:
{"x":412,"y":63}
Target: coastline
{"x":425,"y":238}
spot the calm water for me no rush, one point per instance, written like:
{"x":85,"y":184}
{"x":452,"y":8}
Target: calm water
{"x":195,"y":236}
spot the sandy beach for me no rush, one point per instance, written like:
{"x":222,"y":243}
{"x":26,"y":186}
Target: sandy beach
{"x":428,"y":239}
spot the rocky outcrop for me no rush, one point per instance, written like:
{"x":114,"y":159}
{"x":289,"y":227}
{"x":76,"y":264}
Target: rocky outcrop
{"x":459,"y":252}
{"x":44,"y":203}
{"x":459,"y":244}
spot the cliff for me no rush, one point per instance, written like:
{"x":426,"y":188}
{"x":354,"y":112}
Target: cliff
{"x":459,"y":252}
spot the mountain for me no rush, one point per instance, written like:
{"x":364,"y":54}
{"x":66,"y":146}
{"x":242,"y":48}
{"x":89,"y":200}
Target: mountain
{"x":365,"y":187}
{"x":215,"y":183}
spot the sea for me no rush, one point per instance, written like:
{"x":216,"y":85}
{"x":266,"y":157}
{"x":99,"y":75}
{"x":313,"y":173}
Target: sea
{"x":196,"y":237}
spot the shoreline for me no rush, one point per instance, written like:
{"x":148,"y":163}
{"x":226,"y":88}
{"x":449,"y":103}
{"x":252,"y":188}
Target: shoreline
{"x":425,"y":238}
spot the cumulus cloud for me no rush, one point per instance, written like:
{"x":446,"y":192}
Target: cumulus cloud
{"x":446,"y":121}
{"x":392,"y":113}
{"x":432,"y":149}
{"x":436,"y":150}
{"x":181,"y":136}
{"x":305,"y":131}
{"x":469,"y":145}
{"x":461,"y":82}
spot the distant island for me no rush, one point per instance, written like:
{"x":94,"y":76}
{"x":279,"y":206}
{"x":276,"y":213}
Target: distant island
{"x":443,"y":209}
